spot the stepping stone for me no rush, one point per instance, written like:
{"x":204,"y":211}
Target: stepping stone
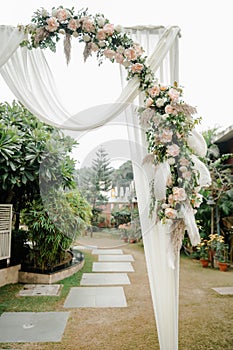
{"x":24,"y":327}
{"x":121,"y":257}
{"x":95,"y":297}
{"x":112,"y":267}
{"x":107,"y":251}
{"x":224,"y":290}
{"x":96,"y":279}
{"x":88,"y":247}
{"x":40,"y":290}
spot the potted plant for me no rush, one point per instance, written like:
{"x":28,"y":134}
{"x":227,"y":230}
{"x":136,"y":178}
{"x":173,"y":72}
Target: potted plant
{"x":222,"y":256}
{"x":203,"y":250}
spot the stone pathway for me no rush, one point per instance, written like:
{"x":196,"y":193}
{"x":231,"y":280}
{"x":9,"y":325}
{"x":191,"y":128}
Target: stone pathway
{"x":103,"y":288}
{"x":95,"y":295}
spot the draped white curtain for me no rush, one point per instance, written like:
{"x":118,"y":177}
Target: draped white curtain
{"x":29,"y":77}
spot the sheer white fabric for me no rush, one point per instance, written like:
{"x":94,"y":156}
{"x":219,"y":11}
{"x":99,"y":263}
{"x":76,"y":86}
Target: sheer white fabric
{"x":10,"y":38}
{"x":33,"y":84}
{"x":162,"y":262}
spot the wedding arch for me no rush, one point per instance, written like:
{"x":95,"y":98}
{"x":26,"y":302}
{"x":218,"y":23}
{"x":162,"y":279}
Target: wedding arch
{"x":161,"y":125}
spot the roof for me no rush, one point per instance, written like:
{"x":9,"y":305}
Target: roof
{"x":224,"y":135}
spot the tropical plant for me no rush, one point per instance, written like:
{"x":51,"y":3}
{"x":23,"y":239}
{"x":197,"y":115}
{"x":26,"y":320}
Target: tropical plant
{"x":54,"y":225}
{"x":30,"y":149}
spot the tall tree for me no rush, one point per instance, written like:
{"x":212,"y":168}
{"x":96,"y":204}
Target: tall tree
{"x":97,"y":180}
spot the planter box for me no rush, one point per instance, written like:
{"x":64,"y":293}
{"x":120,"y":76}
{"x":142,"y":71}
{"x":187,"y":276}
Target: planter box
{"x":40,"y":278}
{"x":9,"y":275}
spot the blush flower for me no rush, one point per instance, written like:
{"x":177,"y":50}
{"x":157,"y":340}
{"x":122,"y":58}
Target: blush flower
{"x":154,"y":91}
{"x":166,"y":136}
{"x":174,"y":94}
{"x":73,"y":24}
{"x":108,"y":28}
{"x":130,"y":54}
{"x":101,"y":35}
{"x":52,"y":24}
{"x":170,"y":213}
{"x":62,"y":15}
{"x":173,"y":150}
{"x":184,"y":161}
{"x":137,"y":68}
{"x":149,"y":102}
{"x":179,"y":194}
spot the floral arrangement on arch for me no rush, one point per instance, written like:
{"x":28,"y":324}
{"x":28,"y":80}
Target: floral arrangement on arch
{"x":166,"y":118}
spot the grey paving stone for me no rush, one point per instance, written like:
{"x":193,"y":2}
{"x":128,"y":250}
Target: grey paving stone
{"x":120,"y":257}
{"x":80,"y":297}
{"x":112,"y":267}
{"x":88,"y":247}
{"x":107,"y":251}
{"x":224,"y":290}
{"x":18,"y":327}
{"x":98,"y":279}
{"x":40,"y":290}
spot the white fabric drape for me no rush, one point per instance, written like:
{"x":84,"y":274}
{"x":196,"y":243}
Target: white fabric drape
{"x":162,"y":263}
{"x":33,"y":84}
{"x":30,"y":79}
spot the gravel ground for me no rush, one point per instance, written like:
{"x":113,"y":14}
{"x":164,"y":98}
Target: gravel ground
{"x":205,"y":317}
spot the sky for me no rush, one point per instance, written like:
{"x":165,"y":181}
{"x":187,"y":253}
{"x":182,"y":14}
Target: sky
{"x":206,"y":57}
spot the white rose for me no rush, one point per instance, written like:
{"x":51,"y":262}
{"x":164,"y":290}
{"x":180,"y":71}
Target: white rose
{"x":171,"y":161}
{"x":102,"y":44}
{"x":119,"y":28}
{"x":75,"y":34}
{"x":44,"y":13}
{"x":126,"y":63}
{"x":101,"y":21}
{"x":160,"y":102}
{"x":86,"y":37}
{"x":54,"y":13}
{"x":120,"y":49}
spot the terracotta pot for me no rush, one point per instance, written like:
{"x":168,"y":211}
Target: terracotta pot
{"x":222,"y":266}
{"x":204,"y":262}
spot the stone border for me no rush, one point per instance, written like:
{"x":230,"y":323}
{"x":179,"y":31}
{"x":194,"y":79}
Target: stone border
{"x":9,"y":275}
{"x":34,"y":278}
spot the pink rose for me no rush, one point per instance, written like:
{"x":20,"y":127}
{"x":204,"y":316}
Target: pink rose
{"x":109,"y":53}
{"x":184,"y":161}
{"x":173,"y":150}
{"x":179,"y":194}
{"x":88,"y":25}
{"x":168,"y":109}
{"x":109,"y":28}
{"x":62,"y":15}
{"x":166,"y":136}
{"x":73,"y":24}
{"x":94,"y":47}
{"x":130,"y":54}
{"x":187,"y":175}
{"x":154,"y":91}
{"x":174,"y":94}
{"x":119,"y":58}
{"x":52,"y":24}
{"x":137,"y":68}
{"x":139,"y":50}
{"x":170,"y":213}
{"x":149,"y":102}
{"x":101,"y":35}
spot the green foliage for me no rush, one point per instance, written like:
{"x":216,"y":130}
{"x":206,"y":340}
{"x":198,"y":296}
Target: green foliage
{"x":54,"y":225}
{"x":220,"y":192}
{"x":29,"y":148}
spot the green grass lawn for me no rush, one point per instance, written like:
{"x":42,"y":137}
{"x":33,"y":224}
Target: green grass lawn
{"x":9,"y":301}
